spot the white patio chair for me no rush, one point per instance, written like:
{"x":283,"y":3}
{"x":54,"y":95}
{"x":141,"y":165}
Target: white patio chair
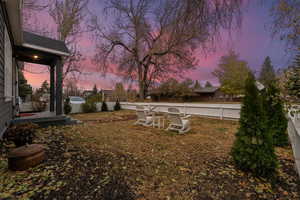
{"x":178,"y":123}
{"x":143,"y":117}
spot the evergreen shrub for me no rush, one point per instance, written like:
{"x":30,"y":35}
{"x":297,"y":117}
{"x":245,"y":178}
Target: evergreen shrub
{"x":253,"y":149}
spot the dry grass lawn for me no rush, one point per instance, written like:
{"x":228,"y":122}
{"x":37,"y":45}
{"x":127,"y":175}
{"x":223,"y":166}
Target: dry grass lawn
{"x":172,"y":164}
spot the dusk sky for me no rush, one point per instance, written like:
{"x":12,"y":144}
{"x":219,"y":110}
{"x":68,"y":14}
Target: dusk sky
{"x":253,"y":42}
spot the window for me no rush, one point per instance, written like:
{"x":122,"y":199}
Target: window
{"x":8,"y":83}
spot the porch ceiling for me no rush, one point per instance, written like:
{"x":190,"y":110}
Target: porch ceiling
{"x":30,"y":55}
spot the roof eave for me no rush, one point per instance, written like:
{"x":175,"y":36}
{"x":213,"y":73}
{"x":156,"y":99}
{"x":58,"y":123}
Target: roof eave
{"x":13,"y":8}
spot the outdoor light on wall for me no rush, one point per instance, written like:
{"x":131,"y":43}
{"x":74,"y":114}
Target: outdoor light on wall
{"x":35,"y":56}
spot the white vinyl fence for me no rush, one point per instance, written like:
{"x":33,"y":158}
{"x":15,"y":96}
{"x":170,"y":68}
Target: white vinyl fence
{"x":76,"y":108}
{"x":294,"y":135}
{"x":228,"y":111}
{"x":222,"y":111}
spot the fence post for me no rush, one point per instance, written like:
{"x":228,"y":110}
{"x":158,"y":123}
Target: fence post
{"x":221,"y":114}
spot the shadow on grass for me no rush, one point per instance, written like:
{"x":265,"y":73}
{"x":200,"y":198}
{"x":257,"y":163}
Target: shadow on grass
{"x":117,"y":189}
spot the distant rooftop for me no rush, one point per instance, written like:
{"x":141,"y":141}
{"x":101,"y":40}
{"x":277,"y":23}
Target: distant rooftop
{"x":206,"y":90}
{"x":107,"y":92}
{"x":45,"y":44}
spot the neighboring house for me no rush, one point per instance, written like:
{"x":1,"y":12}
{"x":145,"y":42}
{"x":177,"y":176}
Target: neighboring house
{"x":87,"y":93}
{"x":208,"y":94}
{"x":19,"y":46}
{"x":201,"y":94}
{"x":107,"y":95}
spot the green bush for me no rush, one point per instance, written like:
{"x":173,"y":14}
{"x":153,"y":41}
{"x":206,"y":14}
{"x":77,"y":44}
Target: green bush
{"x":276,"y":119}
{"x":117,"y":106}
{"x":104,"y":107}
{"x":253,"y":149}
{"x":21,"y":134}
{"x":89,"y":107}
{"x":95,"y":98}
{"x":67,"y":106}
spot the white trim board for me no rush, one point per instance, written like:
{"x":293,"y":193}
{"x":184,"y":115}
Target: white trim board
{"x":56,"y":52}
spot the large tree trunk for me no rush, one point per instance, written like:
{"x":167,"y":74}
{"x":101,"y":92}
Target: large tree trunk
{"x":142,"y":90}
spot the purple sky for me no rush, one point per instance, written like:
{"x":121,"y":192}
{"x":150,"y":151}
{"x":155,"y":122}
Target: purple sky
{"x":253,"y":42}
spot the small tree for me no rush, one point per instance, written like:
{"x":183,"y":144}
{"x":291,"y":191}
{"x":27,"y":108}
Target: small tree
{"x":292,"y":84}
{"x":117,"y":105}
{"x":276,"y":120}
{"x":44,"y":89}
{"x":24,"y":88}
{"x":253,"y":149}
{"x":232,"y":73}
{"x":95,"y":90}
{"x":104,"y":107}
{"x":197,"y":85}
{"x":208,"y":84}
{"x":267,"y":74}
{"x":67,"y":106}
{"x":89,"y":107}
{"x":119,"y":92}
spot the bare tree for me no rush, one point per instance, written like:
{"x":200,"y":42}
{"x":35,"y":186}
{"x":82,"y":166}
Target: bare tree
{"x":119,"y":92}
{"x":30,"y":20}
{"x":151,"y":40}
{"x":70,"y":17}
{"x":286,"y":22}
{"x":71,"y":87}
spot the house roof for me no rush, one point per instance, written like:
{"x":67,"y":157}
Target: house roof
{"x":206,"y":90}
{"x":87,"y":91}
{"x":45,"y":44}
{"x":107,"y":91}
{"x":13,"y":8}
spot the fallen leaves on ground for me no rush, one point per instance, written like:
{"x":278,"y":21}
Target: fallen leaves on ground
{"x":114,"y":159}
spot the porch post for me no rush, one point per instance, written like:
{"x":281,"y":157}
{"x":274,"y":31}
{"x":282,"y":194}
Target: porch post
{"x":52,"y":88}
{"x":59,"y":71}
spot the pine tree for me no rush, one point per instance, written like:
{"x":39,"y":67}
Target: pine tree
{"x":117,"y":105}
{"x":67,"y":106}
{"x":45,"y":88}
{"x":267,"y":74}
{"x":24,"y":88}
{"x":276,"y":119}
{"x":104,"y":107}
{"x":253,"y":149}
{"x":208,"y":84}
{"x":293,"y":79}
{"x":197,"y":85}
{"x":95,"y":90}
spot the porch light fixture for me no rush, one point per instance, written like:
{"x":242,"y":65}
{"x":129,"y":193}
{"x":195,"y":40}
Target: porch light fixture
{"x":35,"y":56}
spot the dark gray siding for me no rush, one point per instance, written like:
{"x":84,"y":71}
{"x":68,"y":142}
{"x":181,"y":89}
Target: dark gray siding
{"x":5,"y":107}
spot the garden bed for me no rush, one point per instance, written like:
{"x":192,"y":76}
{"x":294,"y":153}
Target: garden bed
{"x":114,"y":159}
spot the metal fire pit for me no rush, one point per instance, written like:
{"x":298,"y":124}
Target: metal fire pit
{"x":25,"y":157}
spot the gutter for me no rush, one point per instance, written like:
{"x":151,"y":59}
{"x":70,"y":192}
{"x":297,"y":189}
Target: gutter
{"x":60,"y":53}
